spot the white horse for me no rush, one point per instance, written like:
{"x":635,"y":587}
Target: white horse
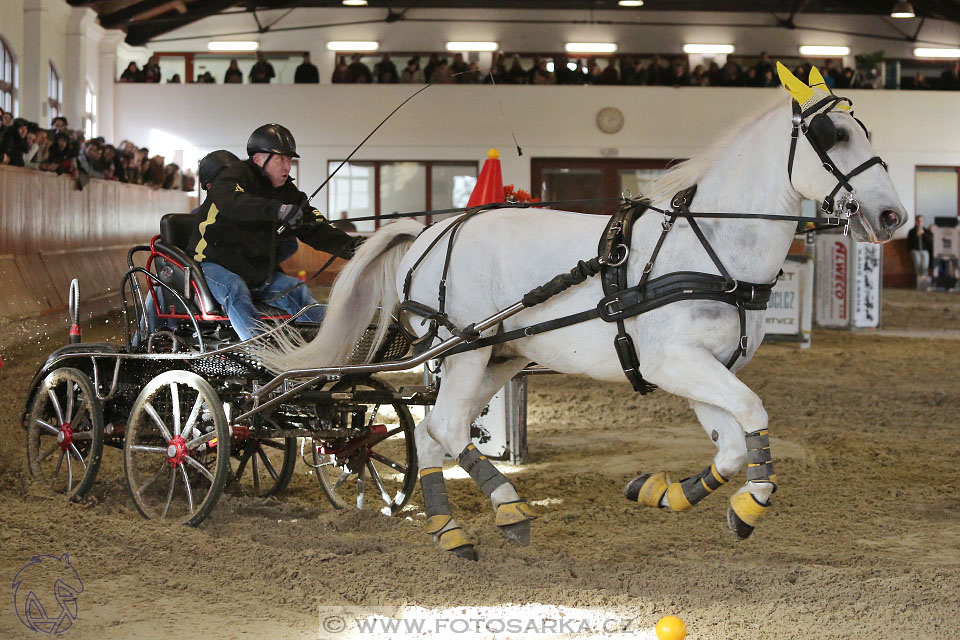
{"x":500,"y":255}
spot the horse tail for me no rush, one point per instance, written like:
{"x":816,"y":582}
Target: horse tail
{"x":367,"y":283}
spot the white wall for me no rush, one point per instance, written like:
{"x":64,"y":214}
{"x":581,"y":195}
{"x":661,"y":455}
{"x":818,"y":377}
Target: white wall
{"x":462,"y":122}
{"x":11,"y":28}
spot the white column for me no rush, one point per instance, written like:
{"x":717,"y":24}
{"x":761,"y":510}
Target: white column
{"x":42,"y":27}
{"x":108,"y":76}
{"x":75,"y":74}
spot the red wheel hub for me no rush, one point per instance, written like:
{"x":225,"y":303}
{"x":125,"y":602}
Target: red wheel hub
{"x":65,"y":437}
{"x":176,"y":451}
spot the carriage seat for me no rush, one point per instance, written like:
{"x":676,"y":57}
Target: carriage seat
{"x":174,"y":242}
{"x":175,"y":232}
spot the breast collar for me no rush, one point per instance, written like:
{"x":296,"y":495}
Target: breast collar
{"x":847,"y":205}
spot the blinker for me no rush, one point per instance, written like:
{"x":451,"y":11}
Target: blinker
{"x":823,"y":131}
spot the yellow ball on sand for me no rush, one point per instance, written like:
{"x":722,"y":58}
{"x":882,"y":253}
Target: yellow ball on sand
{"x":671,"y":628}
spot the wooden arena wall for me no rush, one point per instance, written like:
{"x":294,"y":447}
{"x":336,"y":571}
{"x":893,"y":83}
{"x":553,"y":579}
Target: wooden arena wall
{"x":51,"y":232}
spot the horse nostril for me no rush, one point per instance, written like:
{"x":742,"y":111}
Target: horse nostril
{"x":890,"y":219}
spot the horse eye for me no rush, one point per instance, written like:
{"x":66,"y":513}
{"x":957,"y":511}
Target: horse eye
{"x":842,"y":134}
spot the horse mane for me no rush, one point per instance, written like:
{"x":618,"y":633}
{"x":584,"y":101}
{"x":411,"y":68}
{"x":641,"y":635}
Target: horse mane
{"x":689,"y":172}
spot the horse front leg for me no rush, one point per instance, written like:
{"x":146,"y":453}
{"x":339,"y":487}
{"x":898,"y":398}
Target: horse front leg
{"x":734,"y":418}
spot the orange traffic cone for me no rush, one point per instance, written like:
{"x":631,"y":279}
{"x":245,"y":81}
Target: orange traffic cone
{"x":489,"y":186}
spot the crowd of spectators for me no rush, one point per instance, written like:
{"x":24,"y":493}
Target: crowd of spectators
{"x":66,"y":152}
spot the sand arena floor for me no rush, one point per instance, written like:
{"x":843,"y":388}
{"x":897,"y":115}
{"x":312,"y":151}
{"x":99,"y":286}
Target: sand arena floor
{"x":863,"y":540}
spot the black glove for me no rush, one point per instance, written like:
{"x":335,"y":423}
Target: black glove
{"x":350,"y":248}
{"x":290,"y":215}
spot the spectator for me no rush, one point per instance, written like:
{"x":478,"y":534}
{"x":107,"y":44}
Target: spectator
{"x":307,"y":72}
{"x":188,"y":181}
{"x":233,"y":74}
{"x":610,"y":75}
{"x":39,"y":149}
{"x":171,"y":177}
{"x":441,"y":74}
{"x":206,"y":78}
{"x":830,"y":74}
{"x":6,"y":120}
{"x":473,"y":74}
{"x":542,"y":76}
{"x":151,"y":70}
{"x":432,"y":64}
{"x":59,"y":124}
{"x":131,"y":74}
{"x":498,"y":72}
{"x":698,"y":78}
{"x":516,"y":74}
{"x":459,"y":67}
{"x":731,"y":76}
{"x":533,"y":69}
{"x":359,"y":72}
{"x":763,"y":66}
{"x":713,"y":74}
{"x":88,"y":161}
{"x":950,"y":79}
{"x":595,"y":73}
{"x":846,"y":79}
{"x":341,"y":72}
{"x":174,"y":79}
{"x":13,"y":143}
{"x":412,"y":72}
{"x":154,"y":172}
{"x":629,"y":71}
{"x":920,"y":243}
{"x":262,"y":71}
{"x":920,"y":82}
{"x":679,"y":77}
{"x":385,"y":71}
{"x":563,"y":72}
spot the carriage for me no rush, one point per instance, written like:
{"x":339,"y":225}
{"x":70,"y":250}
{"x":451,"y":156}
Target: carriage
{"x":187,"y":403}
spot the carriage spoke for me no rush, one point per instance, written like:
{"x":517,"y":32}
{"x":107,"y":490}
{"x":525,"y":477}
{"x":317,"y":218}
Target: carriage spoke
{"x":56,"y":404}
{"x":70,"y":391}
{"x":202,"y":469}
{"x":173,"y":483}
{"x":49,"y":427}
{"x":376,"y":479}
{"x":393,"y":432}
{"x":146,"y":485}
{"x":175,"y":400}
{"x":360,"y":488}
{"x":143,"y":448}
{"x":196,"y":442}
{"x":256,"y":475}
{"x":186,"y":482}
{"x":396,"y":466}
{"x":76,"y":452}
{"x":82,"y":435}
{"x":266,"y":463}
{"x":244,"y":459}
{"x":274,"y":444}
{"x":192,"y":418}
{"x":76,"y":417}
{"x":43,"y":456}
{"x":56,"y":472}
{"x":156,"y":418}
{"x":69,"y":475}
{"x":343,"y":477}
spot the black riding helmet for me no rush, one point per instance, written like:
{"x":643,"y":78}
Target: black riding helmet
{"x":272,"y":138}
{"x":212,"y":164}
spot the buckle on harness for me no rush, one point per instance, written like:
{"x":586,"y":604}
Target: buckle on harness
{"x":743,"y":343}
{"x":626,"y":254}
{"x":734,"y":287}
{"x":607,"y":308}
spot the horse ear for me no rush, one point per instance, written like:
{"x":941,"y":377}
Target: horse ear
{"x":793,"y":85}
{"x":816,"y":80}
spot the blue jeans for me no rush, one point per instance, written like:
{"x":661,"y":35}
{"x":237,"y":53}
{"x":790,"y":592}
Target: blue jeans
{"x":237,"y":299}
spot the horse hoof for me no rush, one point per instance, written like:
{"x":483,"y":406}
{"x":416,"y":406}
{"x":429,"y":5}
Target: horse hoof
{"x":632,"y":490}
{"x":467,"y":552}
{"x":738,"y":527}
{"x":518,"y":532}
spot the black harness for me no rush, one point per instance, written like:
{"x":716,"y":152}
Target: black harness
{"x":622,"y":301}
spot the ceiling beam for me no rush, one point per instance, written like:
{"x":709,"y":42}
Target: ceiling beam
{"x":140,"y":33}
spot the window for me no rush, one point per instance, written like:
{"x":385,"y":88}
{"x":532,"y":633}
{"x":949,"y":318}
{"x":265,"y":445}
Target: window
{"x":937,"y":193}
{"x":591,"y":178}
{"x":90,"y":113}
{"x":8,"y":78}
{"x":54,"y":93}
{"x":362,"y":189}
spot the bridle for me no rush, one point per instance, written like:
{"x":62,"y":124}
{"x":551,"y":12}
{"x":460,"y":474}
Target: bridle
{"x":822,"y":136}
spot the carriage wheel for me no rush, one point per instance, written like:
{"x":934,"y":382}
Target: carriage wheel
{"x":267,"y":462}
{"x":65,"y":433}
{"x":176,"y":454}
{"x":380,"y":476}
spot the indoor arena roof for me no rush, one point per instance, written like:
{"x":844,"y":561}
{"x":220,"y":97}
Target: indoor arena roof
{"x":144,"y":20}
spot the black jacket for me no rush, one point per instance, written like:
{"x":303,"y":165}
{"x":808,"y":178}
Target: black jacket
{"x":240,"y":220}
{"x":914,"y":242}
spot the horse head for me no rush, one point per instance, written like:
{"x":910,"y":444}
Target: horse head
{"x":833,"y":161}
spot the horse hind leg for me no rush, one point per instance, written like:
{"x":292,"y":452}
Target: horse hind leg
{"x":512,"y":514}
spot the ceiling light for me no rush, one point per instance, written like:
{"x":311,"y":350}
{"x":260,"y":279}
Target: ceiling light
{"x":354,"y":3}
{"x":924,"y":52}
{"x":708,"y":48}
{"x":353,"y":45}
{"x":902,"y":10}
{"x":472,"y":46}
{"x":590,"y":47}
{"x":233,"y":45}
{"x":823,"y":50}
{"x":631,"y":3}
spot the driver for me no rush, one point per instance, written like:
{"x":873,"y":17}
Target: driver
{"x":252,"y":214}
